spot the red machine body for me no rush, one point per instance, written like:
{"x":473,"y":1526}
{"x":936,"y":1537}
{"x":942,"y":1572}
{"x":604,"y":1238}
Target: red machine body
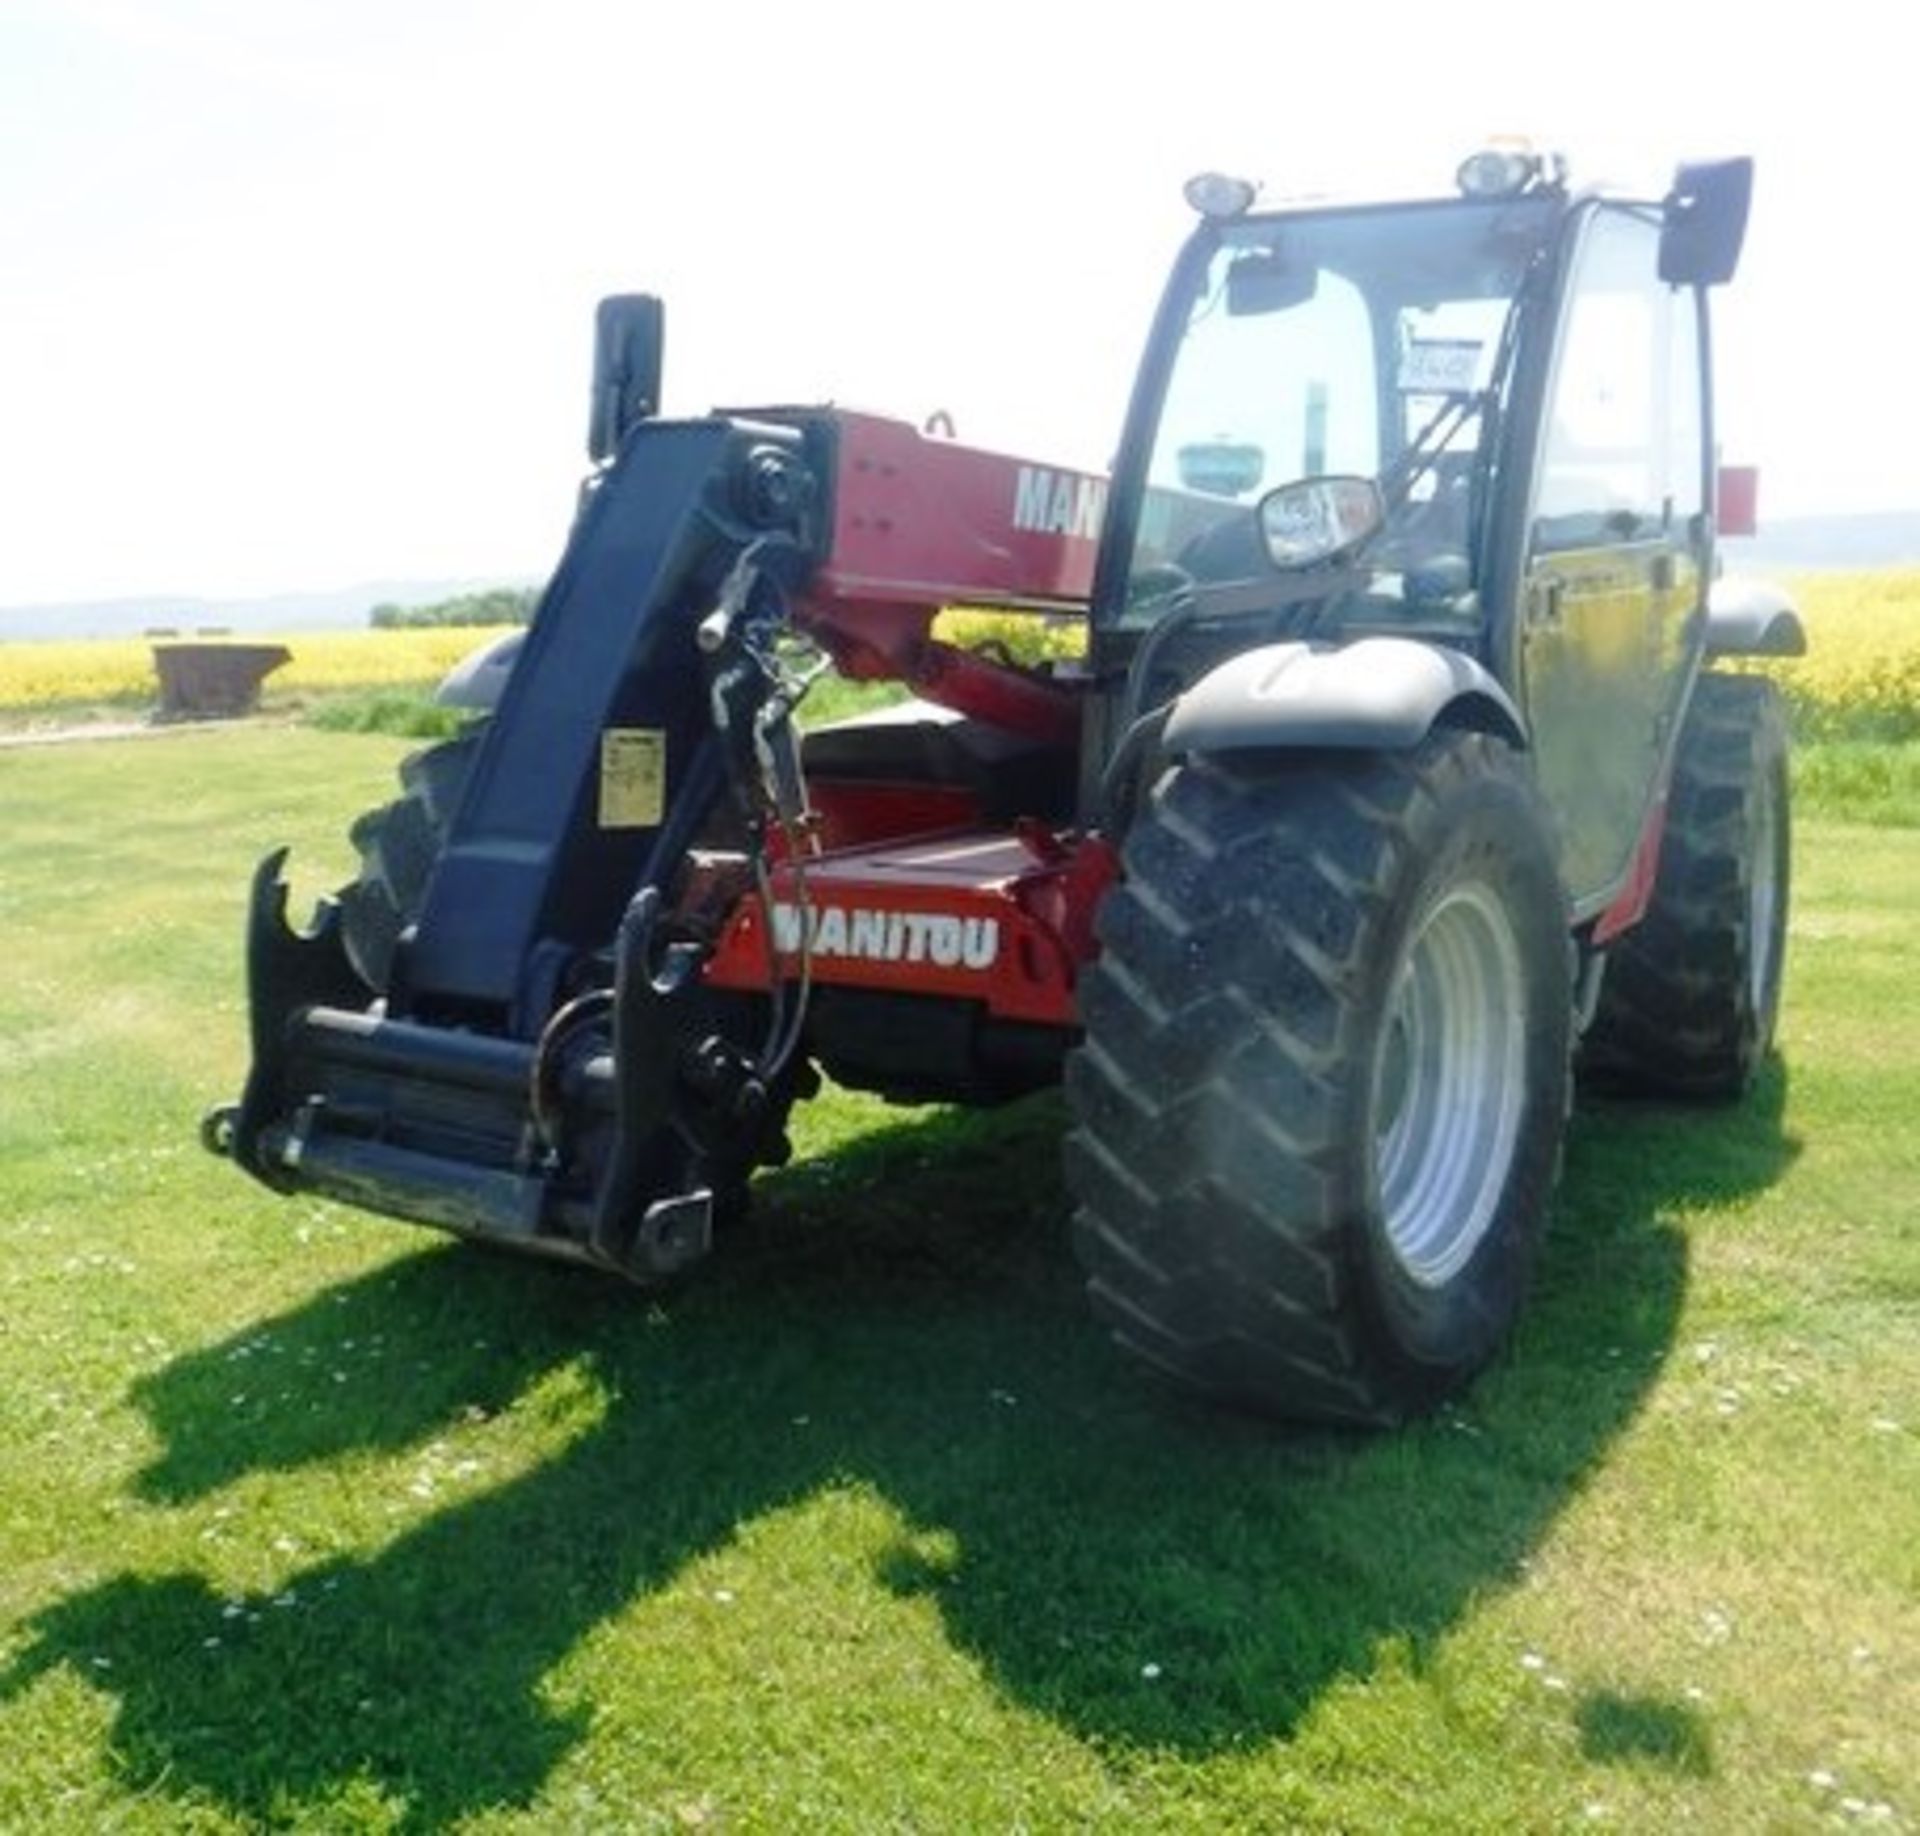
{"x":1004,"y":920}
{"x":912,"y":891}
{"x":919,"y":524}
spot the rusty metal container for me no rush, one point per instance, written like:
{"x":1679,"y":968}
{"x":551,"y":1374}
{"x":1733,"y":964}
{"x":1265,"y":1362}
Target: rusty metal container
{"x":209,"y":680}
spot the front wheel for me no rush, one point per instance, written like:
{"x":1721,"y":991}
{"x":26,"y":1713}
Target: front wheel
{"x":1322,"y":1095}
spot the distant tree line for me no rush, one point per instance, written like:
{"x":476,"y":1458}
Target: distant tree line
{"x":496,"y":606}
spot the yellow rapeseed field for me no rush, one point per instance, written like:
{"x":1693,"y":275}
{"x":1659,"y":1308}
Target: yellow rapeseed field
{"x":1862,"y":673}
{"x":1860,"y":677}
{"x":37,"y":674}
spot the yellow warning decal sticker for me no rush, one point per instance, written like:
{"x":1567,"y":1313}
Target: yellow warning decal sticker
{"x":633,"y":777}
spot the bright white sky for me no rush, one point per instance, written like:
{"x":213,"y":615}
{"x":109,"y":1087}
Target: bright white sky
{"x":295,"y":293}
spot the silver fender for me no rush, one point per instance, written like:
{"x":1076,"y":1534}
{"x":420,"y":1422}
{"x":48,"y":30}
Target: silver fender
{"x":1752,"y":618}
{"x":1379,"y":694}
{"x":477,"y":681}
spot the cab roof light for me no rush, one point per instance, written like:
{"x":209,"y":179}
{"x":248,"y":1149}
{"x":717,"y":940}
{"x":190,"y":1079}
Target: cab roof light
{"x":1218,"y":197}
{"x":1505,"y":168}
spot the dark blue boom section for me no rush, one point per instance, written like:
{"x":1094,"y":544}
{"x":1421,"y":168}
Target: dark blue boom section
{"x":542,"y":1065}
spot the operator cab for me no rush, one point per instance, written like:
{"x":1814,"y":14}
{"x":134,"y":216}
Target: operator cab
{"x":1372,"y":346}
{"x":1480,"y":422}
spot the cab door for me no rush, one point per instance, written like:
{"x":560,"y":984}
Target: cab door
{"x":1615,"y":546}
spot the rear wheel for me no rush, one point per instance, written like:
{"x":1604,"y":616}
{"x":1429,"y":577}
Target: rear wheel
{"x":1324,"y":1085}
{"x":1690,"y":995}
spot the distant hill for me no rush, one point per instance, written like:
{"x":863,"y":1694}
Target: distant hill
{"x":316,"y":611}
{"x":1877,"y":538}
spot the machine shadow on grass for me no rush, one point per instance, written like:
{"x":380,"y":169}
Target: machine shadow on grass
{"x":911,"y":1298}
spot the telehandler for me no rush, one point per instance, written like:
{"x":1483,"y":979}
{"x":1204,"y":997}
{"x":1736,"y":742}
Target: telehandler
{"x":1395,"y":778}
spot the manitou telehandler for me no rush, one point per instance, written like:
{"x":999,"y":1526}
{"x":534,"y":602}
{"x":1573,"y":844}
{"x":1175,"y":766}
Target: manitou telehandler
{"x":1391,"y":779}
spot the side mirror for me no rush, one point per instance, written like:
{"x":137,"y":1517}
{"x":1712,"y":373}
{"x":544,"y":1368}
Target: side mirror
{"x":629,"y":339}
{"x":1706,"y":222}
{"x":1317,"y":519}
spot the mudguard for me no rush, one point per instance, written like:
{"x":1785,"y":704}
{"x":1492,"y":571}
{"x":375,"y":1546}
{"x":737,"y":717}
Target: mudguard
{"x":1378,"y":694}
{"x":1752,"y":618}
{"x":476,"y":683}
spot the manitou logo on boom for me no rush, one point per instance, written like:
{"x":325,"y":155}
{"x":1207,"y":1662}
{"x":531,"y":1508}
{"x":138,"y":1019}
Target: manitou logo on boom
{"x":890,"y":937}
{"x":1058,"y":503}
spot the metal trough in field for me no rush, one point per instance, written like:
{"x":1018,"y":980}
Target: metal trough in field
{"x":205,"y":679}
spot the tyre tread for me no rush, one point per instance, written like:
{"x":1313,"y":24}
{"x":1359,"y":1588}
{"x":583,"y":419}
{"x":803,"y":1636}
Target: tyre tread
{"x":1207,"y":1094}
{"x":1676,"y":1017}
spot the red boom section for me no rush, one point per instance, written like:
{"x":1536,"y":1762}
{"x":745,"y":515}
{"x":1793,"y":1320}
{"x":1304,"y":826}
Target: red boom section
{"x":1002,"y":919}
{"x":920,"y":524}
{"x":913,"y":895}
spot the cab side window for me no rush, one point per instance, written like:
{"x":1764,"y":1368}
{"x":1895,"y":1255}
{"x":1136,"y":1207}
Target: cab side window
{"x":1622,"y":460}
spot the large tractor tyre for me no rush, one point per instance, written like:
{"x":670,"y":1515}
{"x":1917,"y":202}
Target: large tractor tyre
{"x":1324,"y":1086}
{"x":1690,"y":994}
{"x":399,"y":843}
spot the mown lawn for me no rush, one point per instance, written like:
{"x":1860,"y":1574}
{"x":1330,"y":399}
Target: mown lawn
{"x":310,"y":1518}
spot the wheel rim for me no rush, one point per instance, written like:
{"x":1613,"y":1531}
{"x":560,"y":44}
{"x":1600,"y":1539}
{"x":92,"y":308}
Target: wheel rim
{"x":1448,"y":1084}
{"x":1763,"y":900}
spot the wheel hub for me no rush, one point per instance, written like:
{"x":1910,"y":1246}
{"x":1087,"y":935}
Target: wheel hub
{"x":1448,"y":1085}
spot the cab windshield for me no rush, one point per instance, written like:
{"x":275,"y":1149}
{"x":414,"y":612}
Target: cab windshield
{"x":1368,"y":342}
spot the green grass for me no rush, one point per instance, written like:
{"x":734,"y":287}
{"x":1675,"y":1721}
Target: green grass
{"x":409,"y":713}
{"x":309,"y":1518}
{"x":1860,"y":780}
